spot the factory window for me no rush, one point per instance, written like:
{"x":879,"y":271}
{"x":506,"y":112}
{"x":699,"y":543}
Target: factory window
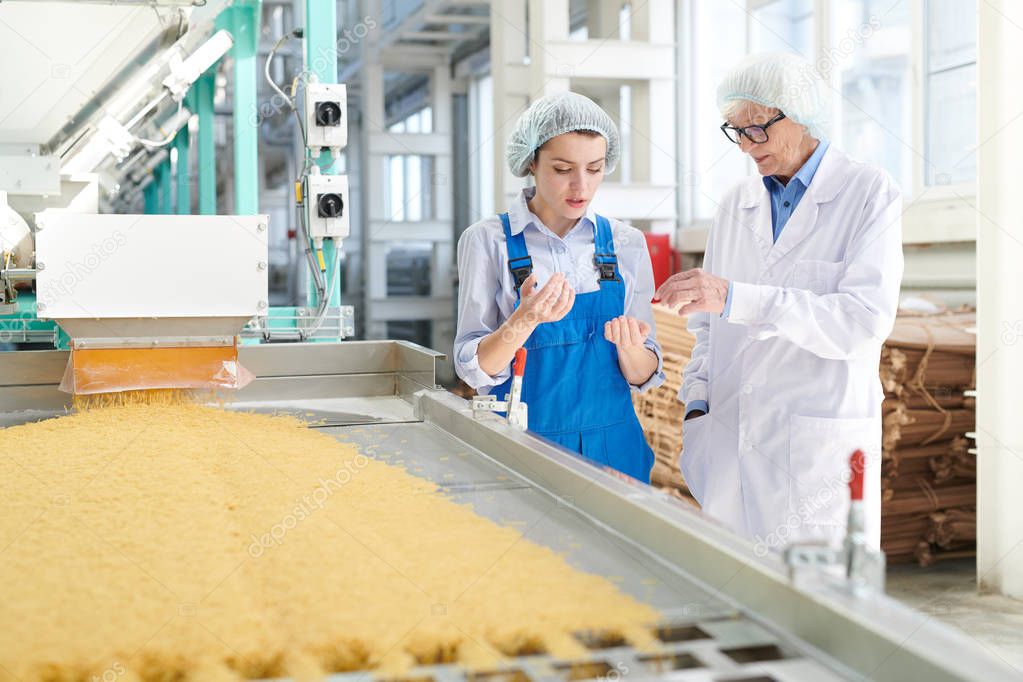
{"x":921,"y":130}
{"x":782,"y":25}
{"x":408,"y":268}
{"x":951,"y":91}
{"x":870,"y":53}
{"x":416,"y":331}
{"x":481,"y":148}
{"x":599,"y":20}
{"x":409,"y":187}
{"x":714,"y":163}
{"x":410,"y":176}
{"x":419,"y":122}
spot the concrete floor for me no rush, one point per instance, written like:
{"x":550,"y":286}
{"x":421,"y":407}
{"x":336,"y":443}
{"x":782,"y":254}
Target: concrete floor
{"x":948,"y":592}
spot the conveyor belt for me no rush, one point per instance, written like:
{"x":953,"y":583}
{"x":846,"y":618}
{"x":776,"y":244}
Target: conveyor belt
{"x":702,"y":634}
{"x":728,"y":614}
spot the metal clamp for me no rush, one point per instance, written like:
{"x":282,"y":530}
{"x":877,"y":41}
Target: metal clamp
{"x":864,"y":566}
{"x":512,"y":405}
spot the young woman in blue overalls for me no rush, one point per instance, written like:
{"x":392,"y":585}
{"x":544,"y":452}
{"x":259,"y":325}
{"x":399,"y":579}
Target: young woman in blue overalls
{"x":570,"y":286}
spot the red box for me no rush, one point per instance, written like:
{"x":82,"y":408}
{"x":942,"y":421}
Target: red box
{"x":664,"y":259}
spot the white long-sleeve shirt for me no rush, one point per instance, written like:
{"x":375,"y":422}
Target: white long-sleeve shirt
{"x":486,"y":292}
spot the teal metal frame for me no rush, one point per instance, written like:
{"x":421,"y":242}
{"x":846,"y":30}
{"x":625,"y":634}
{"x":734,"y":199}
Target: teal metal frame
{"x":206,"y":161}
{"x":150,"y":201}
{"x":183,"y":178}
{"x":242,"y":19}
{"x":163,"y":178}
{"x":14,"y":326}
{"x":321,"y":60}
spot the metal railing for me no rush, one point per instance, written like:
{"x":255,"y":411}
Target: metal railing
{"x":296,"y":324}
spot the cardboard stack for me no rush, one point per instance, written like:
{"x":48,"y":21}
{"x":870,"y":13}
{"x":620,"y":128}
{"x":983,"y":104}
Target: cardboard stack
{"x":659,"y":409}
{"x":929,"y":476}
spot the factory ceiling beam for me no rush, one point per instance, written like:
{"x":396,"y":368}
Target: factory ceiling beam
{"x":242,"y":20}
{"x":414,"y":28}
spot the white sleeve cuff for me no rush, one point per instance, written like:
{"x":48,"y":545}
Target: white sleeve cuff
{"x":467,"y":366}
{"x":696,"y":391}
{"x":658,"y":377}
{"x":745,"y":303}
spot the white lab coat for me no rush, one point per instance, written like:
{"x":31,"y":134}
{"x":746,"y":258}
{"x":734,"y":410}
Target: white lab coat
{"x":791,"y":376}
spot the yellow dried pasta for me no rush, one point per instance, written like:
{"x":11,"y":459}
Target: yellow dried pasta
{"x":173,"y":541}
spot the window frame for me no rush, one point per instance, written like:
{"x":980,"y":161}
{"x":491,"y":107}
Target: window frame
{"x":932,"y":214}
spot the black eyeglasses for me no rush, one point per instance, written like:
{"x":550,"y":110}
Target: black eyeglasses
{"x":755,"y":134}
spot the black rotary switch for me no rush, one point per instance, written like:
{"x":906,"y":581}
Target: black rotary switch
{"x":328,"y":114}
{"x":329,"y":205}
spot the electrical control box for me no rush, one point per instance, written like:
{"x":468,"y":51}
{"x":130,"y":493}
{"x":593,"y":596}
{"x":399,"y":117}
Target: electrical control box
{"x":326,"y":116}
{"x":327,"y":206}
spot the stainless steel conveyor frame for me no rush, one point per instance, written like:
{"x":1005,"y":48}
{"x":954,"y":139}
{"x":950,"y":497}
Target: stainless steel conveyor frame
{"x":728,"y":613}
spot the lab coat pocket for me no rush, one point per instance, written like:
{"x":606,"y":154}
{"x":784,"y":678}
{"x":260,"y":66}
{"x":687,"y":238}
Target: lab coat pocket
{"x":819,"y":452}
{"x":694,"y":461}
{"x":818,"y":276}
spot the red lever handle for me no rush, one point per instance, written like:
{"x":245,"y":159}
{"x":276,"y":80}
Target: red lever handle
{"x":856,"y":464}
{"x":520,"y":362}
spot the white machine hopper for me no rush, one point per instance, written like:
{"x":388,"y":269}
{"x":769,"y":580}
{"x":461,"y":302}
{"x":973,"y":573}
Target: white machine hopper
{"x":151,"y":301}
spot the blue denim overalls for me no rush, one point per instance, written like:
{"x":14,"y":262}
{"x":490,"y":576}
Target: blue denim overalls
{"x":575,"y":390}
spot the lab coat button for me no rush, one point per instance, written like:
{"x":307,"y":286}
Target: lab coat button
{"x":747,"y":388}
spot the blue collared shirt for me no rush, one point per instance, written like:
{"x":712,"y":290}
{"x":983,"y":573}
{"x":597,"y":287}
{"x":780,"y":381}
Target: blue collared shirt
{"x":784,"y":199}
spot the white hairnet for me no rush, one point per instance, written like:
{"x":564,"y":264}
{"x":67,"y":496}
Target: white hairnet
{"x":554,"y":115}
{"x":781,"y":80}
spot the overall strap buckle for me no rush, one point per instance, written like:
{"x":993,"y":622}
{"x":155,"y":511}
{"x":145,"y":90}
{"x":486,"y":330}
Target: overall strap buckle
{"x":521,"y":269}
{"x":607,"y":264}
{"x":519,"y":261}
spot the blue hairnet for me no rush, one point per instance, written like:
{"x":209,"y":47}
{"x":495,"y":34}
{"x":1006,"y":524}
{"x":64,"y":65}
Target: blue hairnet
{"x":554,"y":115}
{"x":781,"y":80}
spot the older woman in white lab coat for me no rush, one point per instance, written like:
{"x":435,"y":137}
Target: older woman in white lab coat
{"x":798,"y":291}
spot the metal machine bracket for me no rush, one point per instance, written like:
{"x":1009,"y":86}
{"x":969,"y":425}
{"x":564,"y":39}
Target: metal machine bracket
{"x":864,"y":567}
{"x":512,"y":405}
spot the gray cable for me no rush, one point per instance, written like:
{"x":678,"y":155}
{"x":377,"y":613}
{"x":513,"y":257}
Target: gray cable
{"x":321,"y":313}
{"x":167,"y":140}
{"x":294,"y":33}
